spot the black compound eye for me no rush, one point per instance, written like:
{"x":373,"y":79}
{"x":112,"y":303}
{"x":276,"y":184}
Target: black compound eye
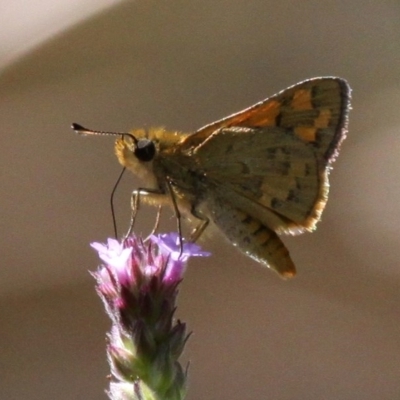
{"x":145,"y":150}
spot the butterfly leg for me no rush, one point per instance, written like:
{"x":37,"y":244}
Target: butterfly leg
{"x":200,"y":228}
{"x":155,"y":196}
{"x":151,"y":195}
{"x":156,"y":224}
{"x":177,"y":214}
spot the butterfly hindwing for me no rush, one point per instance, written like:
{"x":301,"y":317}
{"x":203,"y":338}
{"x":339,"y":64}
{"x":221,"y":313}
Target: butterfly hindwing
{"x":267,"y":172}
{"x":250,"y":235}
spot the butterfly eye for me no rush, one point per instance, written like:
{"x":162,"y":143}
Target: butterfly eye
{"x":145,"y":150}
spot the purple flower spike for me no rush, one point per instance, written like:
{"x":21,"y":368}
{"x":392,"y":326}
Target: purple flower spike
{"x":138,"y":285}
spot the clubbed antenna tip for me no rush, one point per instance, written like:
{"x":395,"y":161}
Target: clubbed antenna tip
{"x":79,"y":129}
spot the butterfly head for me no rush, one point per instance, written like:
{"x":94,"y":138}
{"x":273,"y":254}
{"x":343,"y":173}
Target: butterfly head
{"x":136,"y":145}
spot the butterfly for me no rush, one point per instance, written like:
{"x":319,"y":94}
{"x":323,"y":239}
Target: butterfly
{"x":256,"y":174}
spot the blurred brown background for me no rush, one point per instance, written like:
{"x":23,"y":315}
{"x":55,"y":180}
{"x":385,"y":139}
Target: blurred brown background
{"x":331,"y":333}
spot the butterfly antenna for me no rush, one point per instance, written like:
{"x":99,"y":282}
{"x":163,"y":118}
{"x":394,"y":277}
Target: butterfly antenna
{"x":112,"y":202}
{"x":81,"y":130}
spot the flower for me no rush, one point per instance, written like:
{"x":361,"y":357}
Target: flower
{"x":138,"y":285}
{"x":170,"y":245}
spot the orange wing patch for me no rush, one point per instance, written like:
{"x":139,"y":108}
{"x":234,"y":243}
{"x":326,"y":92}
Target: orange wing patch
{"x":265,"y":115}
{"x":324,"y":118}
{"x":302,"y":100}
{"x":306,"y":134}
{"x":309,"y":134}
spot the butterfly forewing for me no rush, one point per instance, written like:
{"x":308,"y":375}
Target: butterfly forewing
{"x":316,"y":110}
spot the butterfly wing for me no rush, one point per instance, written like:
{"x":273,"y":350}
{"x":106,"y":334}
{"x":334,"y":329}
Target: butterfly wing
{"x":266,"y":168}
{"x":276,"y":154}
{"x":269,"y":173}
{"x":316,"y":110}
{"x":250,"y":235}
